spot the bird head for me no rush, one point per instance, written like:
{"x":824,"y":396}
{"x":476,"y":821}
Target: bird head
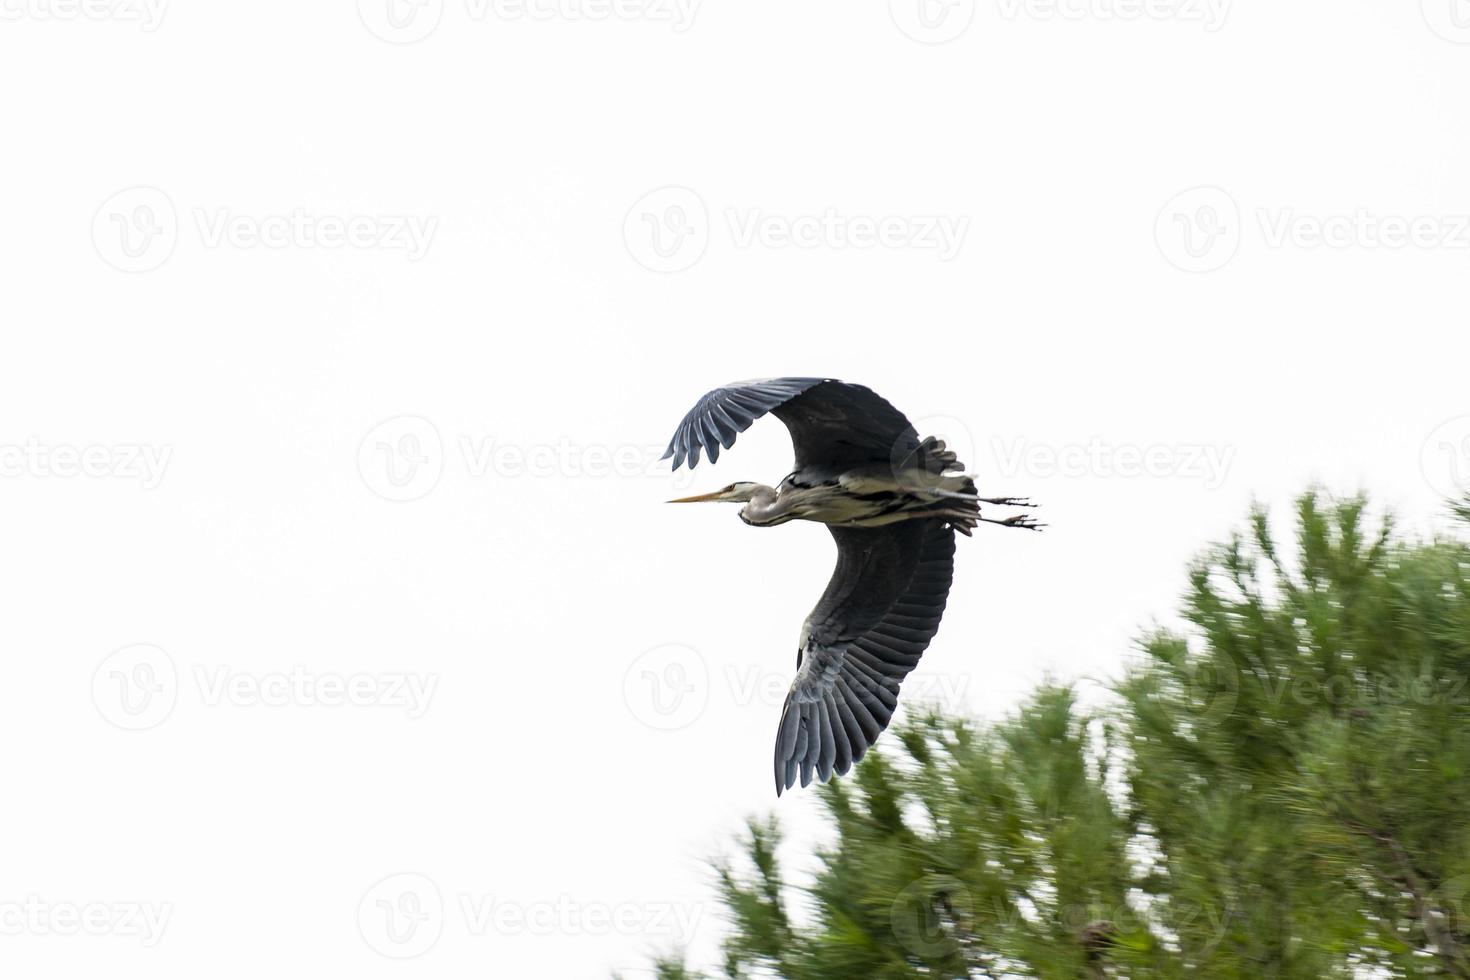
{"x":735,"y":493}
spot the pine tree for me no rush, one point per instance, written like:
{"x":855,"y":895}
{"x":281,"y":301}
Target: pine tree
{"x":1280,"y":792}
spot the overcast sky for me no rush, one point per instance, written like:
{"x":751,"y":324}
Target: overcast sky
{"x":346,"y":622}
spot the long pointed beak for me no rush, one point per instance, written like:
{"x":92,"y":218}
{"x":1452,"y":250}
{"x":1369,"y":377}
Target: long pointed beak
{"x":700,"y":499}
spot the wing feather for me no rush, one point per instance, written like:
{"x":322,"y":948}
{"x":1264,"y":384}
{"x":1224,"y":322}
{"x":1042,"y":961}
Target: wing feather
{"x":833,"y":424}
{"x":854,"y":656}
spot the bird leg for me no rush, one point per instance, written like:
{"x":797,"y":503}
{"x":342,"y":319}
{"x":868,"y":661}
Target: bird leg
{"x":1007,"y":501}
{"x":1020,"y":520}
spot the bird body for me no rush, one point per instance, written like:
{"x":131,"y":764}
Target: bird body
{"x":893,"y":503}
{"x":864,"y":497}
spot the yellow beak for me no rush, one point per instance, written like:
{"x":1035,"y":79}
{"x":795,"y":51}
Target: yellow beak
{"x":701,"y":498}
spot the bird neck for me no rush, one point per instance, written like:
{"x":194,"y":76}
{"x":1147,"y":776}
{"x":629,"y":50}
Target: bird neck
{"x":765,"y":508}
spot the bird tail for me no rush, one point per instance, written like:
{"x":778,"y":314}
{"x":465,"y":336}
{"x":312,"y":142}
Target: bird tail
{"x":933,"y":456}
{"x":941,"y":474}
{"x":932,"y":471}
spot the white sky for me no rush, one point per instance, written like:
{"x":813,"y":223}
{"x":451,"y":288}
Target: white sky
{"x":504,"y":289}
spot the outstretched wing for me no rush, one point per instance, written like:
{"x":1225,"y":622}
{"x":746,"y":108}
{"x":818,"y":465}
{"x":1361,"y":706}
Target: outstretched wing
{"x":833,"y":424}
{"x":880,"y":610}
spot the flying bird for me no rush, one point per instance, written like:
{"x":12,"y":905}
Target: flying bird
{"x":893,"y":503}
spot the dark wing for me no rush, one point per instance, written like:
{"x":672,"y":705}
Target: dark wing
{"x":880,"y":610}
{"x":833,"y":424}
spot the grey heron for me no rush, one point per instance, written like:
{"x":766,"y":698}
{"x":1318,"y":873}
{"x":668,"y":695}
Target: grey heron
{"x":893,"y":503}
